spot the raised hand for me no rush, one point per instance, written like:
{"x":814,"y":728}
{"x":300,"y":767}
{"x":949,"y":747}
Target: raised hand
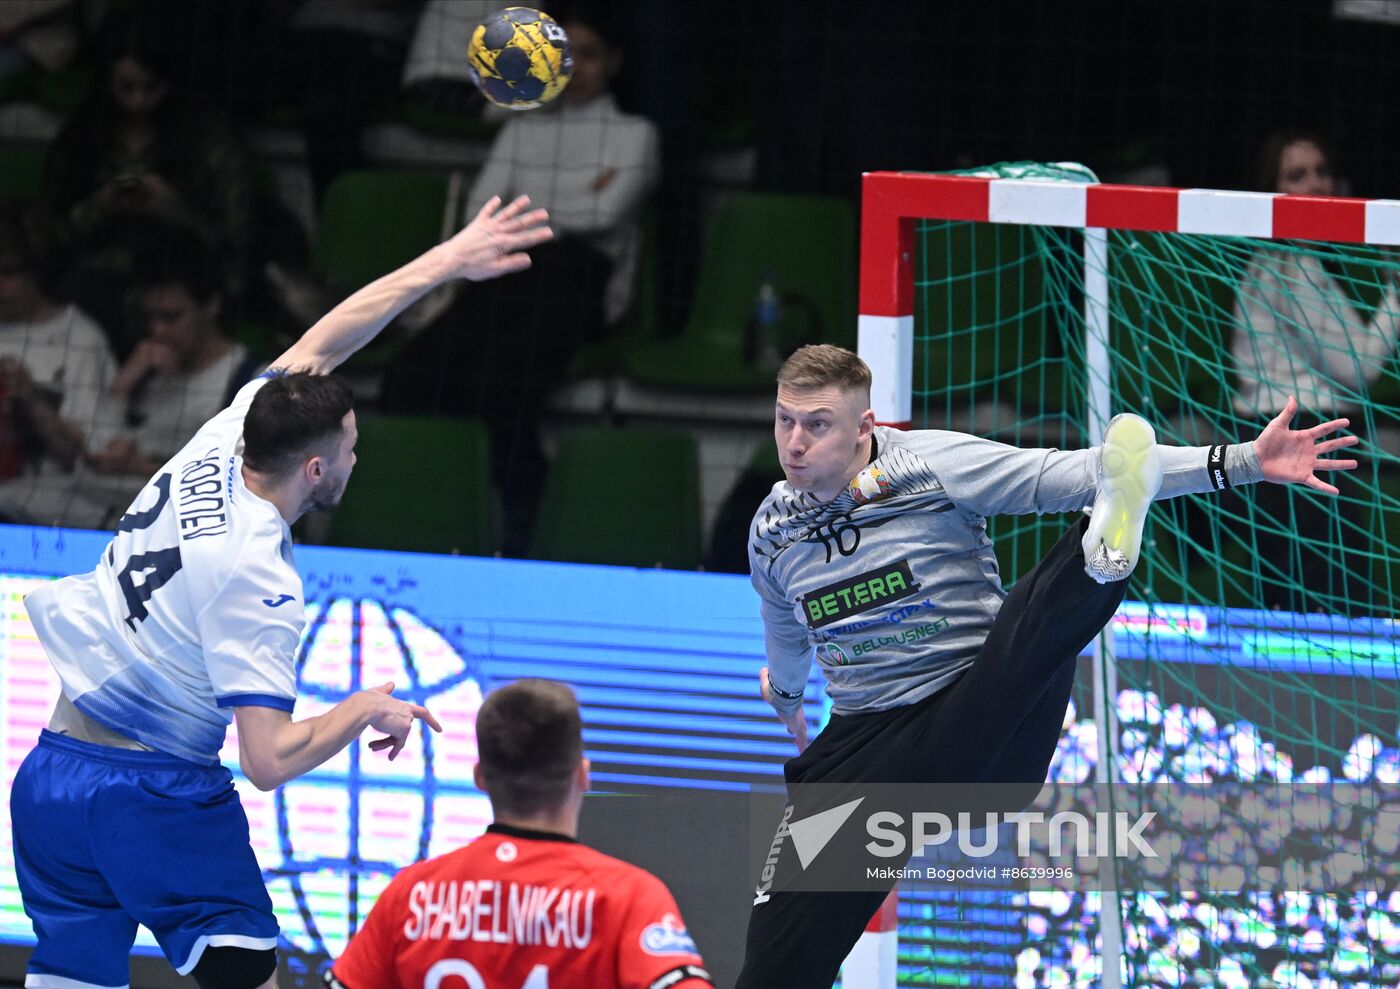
{"x":495,"y":242}
{"x":1292,"y":456}
{"x":395,"y":718}
{"x":796,"y":722}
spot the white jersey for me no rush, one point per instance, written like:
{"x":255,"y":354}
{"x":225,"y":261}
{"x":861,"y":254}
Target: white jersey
{"x":195,"y":607}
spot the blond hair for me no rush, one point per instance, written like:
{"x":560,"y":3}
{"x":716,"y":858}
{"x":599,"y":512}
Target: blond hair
{"x":820,"y":364}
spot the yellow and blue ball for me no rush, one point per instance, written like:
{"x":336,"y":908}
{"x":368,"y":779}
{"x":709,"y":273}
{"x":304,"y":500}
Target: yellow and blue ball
{"x":520,"y":58}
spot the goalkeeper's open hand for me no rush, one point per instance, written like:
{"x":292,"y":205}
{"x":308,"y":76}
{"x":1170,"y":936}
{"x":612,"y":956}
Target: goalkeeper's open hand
{"x":1292,"y":456}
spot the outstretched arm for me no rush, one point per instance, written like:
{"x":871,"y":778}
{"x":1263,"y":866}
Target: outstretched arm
{"x":493,"y":244}
{"x":988,"y":478}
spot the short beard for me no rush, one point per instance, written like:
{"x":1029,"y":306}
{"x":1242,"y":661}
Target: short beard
{"x":319,"y":501}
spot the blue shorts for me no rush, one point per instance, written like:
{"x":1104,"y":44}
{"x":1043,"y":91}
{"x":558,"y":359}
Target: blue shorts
{"x":109,"y":838}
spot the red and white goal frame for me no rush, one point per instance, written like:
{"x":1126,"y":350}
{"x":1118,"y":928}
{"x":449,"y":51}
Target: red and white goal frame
{"x":892,"y":203}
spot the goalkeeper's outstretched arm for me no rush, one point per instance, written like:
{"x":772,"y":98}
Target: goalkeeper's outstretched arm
{"x":493,"y":244}
{"x":987,"y":478}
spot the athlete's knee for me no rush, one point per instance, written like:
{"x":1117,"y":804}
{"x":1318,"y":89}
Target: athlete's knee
{"x":227,"y":967}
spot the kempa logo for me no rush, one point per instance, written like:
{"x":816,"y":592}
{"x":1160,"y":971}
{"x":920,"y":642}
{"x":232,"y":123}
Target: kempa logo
{"x":809,"y":836}
{"x":1215,"y":463}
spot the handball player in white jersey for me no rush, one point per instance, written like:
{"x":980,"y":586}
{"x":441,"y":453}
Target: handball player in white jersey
{"x":123,"y":814}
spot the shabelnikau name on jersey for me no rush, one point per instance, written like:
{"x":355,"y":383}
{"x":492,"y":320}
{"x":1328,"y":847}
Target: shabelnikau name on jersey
{"x":500,"y":912}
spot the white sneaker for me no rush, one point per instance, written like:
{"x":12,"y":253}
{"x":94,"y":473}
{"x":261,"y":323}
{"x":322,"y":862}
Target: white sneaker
{"x":1130,"y":472}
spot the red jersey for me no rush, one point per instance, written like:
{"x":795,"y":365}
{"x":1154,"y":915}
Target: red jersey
{"x":520,"y":909}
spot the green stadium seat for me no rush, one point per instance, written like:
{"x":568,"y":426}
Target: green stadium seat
{"x":254,"y":335}
{"x":1385,"y":392}
{"x":1021,"y":541}
{"x":1172,"y":316}
{"x":61,"y":91}
{"x":21,"y":173}
{"x":18,"y":87}
{"x":624,"y":497}
{"x":808,"y":244}
{"x":431,"y":120}
{"x":64,"y":91}
{"x":372,"y":222}
{"x":1177,"y":569}
{"x":765,"y":461}
{"x":641,"y":323}
{"x":389,"y":504}
{"x":980,"y":317}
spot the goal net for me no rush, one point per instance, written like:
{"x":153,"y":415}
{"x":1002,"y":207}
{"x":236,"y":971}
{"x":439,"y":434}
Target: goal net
{"x":1029,"y":303}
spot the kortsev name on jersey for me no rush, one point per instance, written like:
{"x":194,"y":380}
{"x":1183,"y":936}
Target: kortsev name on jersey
{"x":200,"y":502}
{"x":853,"y":595}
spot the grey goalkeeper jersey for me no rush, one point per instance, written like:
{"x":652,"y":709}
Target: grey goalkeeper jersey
{"x":893,"y":584}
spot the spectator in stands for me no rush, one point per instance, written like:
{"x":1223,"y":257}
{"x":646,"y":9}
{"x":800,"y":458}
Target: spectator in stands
{"x":623,"y":926}
{"x":504,"y":347}
{"x":143,"y":156}
{"x":1298,"y":332}
{"x":183,"y":372}
{"x":351,"y":57}
{"x":36,"y":33}
{"x":437,"y":72}
{"x":54,"y":360}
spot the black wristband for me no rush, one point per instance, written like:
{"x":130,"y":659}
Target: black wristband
{"x":1215,"y":468}
{"x":786,"y":694}
{"x":678,"y":975}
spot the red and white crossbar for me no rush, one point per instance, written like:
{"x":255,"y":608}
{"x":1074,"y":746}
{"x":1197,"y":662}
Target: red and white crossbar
{"x":891,"y":203}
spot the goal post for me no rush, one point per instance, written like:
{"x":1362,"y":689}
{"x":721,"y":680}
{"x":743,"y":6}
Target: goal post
{"x":893,"y":202}
{"x":1030,"y":303}
{"x":1050,"y":302}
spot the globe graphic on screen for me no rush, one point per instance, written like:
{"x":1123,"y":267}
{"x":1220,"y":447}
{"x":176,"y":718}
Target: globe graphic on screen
{"x":330,"y":842}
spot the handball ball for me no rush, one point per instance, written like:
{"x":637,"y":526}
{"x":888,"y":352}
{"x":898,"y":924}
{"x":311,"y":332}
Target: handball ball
{"x":520,"y":58}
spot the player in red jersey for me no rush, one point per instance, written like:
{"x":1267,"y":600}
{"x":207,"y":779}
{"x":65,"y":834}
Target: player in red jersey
{"x":525,"y":906}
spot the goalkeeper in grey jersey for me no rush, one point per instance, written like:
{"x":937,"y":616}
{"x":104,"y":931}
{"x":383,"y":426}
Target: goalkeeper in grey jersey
{"x":873,"y":557}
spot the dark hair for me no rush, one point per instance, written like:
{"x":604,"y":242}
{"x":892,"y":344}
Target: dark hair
{"x":1271,"y":155}
{"x":530,"y":739}
{"x":35,"y":238}
{"x":150,"y":35}
{"x":597,"y":17}
{"x":290,"y":415}
{"x":179,"y":256}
